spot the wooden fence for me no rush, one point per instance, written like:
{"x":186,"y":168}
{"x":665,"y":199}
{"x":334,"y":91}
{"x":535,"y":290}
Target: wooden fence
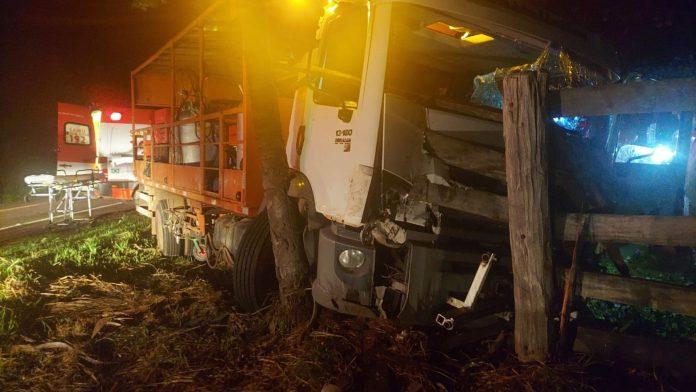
{"x":526,"y":106}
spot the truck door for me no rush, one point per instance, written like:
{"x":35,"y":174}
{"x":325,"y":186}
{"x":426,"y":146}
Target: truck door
{"x":76,"y":147}
{"x":342,"y":119}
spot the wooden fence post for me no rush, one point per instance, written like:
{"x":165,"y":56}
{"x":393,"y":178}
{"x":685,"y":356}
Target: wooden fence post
{"x":681,"y":160}
{"x":690,"y":176}
{"x":526,"y":165}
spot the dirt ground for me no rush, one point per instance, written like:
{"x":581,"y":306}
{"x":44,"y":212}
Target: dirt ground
{"x":97,"y":309}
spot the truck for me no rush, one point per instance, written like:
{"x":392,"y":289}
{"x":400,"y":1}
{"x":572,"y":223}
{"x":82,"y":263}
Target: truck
{"x":392,"y":156}
{"x":387,"y":149}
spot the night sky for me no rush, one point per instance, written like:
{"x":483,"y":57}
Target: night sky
{"x":81,"y":51}
{"x":76,"y":51}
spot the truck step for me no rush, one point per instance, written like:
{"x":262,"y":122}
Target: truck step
{"x":144,"y":197}
{"x":144,"y":211}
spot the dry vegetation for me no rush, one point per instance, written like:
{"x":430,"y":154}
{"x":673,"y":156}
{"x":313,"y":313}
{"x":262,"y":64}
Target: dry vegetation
{"x":98,"y":309}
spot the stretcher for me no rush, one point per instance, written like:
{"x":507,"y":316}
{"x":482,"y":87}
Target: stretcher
{"x":62,"y":190}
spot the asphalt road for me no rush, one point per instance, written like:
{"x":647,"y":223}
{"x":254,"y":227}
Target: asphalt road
{"x":20,"y":219}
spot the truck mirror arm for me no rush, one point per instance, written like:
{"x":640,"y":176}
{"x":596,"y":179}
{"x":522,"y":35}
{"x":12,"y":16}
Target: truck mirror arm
{"x":345,"y":114}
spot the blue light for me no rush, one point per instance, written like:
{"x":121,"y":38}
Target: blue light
{"x":658,"y":155}
{"x":661,"y":155}
{"x":569,"y":123}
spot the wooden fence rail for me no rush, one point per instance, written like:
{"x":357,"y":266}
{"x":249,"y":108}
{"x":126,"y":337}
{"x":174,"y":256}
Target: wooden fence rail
{"x":526,"y":169}
{"x":630,"y":229}
{"x":676,"y":95}
{"x":637,"y":292}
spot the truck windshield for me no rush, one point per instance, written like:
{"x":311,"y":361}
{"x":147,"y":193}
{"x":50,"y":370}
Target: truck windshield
{"x":341,"y":56}
{"x":434,"y":57}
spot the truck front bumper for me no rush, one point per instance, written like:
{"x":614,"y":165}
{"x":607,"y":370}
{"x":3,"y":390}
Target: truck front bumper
{"x":339,"y":288}
{"x":430,"y":278}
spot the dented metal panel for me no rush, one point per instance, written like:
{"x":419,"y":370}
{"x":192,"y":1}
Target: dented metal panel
{"x":402,"y":141}
{"x":467,"y":128}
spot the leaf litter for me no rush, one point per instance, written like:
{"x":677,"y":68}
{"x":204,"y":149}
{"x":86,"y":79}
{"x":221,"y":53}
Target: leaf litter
{"x":169,"y":326}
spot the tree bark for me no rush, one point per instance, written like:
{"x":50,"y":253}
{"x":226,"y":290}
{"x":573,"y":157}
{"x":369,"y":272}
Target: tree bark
{"x":264,"y":121}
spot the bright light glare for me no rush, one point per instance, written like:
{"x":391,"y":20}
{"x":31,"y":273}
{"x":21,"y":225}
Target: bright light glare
{"x":96,"y":115}
{"x":330,"y":7}
{"x":477,"y":39}
{"x":115,"y":116}
{"x":569,"y":123}
{"x":96,"y":122}
{"x":631,"y":153}
{"x":662,"y":154}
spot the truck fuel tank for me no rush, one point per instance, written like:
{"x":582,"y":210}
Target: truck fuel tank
{"x":228,"y":232}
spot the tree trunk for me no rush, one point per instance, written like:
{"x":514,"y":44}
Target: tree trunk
{"x":264,"y":120}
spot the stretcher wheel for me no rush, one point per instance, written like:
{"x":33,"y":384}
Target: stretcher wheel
{"x":166,"y":241}
{"x":253,"y":274}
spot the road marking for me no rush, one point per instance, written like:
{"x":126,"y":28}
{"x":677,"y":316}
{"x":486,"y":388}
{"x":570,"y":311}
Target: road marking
{"x":57,"y":216}
{"x":20,"y":207}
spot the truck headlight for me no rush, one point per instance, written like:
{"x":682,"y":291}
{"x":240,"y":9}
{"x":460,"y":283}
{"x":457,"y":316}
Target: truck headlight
{"x":351,"y":259}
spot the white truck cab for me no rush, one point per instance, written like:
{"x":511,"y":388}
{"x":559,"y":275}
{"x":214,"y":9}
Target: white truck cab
{"x":384,"y":76}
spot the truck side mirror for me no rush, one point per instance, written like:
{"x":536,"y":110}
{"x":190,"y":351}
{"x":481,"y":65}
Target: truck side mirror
{"x":345,"y":114}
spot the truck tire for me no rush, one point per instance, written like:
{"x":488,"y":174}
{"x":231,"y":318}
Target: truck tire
{"x":253,"y":274}
{"x":166,"y":241}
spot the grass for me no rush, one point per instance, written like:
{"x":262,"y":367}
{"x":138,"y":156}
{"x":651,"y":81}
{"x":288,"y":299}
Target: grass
{"x":13,"y":193}
{"x":97,"y":308}
{"x":651,"y":264}
{"x":101,"y":248}
{"x":100,"y":308}
{"x":107,"y":248}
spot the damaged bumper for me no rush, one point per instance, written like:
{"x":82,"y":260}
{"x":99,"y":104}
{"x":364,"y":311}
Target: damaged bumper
{"x":431,"y":276}
{"x":346,"y":289}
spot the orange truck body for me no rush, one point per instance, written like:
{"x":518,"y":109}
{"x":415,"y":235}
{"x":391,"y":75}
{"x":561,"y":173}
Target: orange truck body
{"x":239,"y":188}
{"x":204,"y":67}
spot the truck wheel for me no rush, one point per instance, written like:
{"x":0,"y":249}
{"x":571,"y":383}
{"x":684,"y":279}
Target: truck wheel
{"x":166,"y":241}
{"x":253,"y":275}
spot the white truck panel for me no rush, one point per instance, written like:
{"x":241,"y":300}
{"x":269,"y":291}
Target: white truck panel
{"x":339,"y":164}
{"x":115,"y":144}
